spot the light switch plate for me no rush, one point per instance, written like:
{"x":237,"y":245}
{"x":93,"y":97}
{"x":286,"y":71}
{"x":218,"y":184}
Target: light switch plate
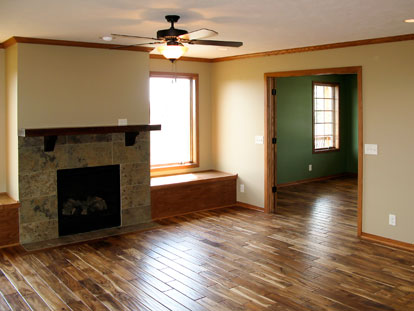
{"x":258,"y":140}
{"x":122,"y":121}
{"x":371,"y":149}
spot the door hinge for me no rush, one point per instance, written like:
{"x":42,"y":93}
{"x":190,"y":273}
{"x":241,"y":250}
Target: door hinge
{"x":274,"y":189}
{"x":273,"y":92}
{"x":274,"y":140}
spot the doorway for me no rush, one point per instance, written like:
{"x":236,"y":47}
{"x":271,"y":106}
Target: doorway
{"x":271,"y":141}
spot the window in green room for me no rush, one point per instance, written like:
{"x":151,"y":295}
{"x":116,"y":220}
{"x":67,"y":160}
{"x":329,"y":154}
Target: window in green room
{"x":325,"y":116}
{"x":174,"y":105}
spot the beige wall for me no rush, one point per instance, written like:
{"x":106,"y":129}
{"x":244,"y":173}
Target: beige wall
{"x":388,"y":110}
{"x":2,"y":122}
{"x":204,"y":72}
{"x":12,"y":186}
{"x":70,"y":86}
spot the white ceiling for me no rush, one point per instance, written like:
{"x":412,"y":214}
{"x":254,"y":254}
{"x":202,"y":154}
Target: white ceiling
{"x":263,"y":25}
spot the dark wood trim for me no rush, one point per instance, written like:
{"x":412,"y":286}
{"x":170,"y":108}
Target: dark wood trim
{"x":313,"y":48}
{"x":59,"y":131}
{"x":10,"y":245}
{"x":15,"y":40}
{"x":308,"y":180}
{"x":184,"y":58}
{"x":249,"y":206}
{"x":192,"y":182}
{"x":194,"y":135}
{"x":338,"y":45}
{"x":270,"y":117}
{"x":360,"y":150}
{"x":337,"y":114}
{"x":387,"y":241}
{"x":270,"y":148}
{"x":173,"y":166}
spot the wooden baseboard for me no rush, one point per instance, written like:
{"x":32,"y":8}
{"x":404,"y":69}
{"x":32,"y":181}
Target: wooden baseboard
{"x":187,"y":213}
{"x":308,"y":180}
{"x":9,"y":245}
{"x":387,"y":241}
{"x":249,"y":206}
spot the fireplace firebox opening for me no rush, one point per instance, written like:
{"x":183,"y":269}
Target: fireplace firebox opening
{"x":88,"y":199}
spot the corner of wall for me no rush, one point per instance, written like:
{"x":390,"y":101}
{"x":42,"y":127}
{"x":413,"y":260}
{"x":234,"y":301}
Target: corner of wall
{"x":2,"y":121}
{"x":11,"y":88}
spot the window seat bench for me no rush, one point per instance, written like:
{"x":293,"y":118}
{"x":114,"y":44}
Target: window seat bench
{"x":185,"y":193}
{"x":9,"y":221}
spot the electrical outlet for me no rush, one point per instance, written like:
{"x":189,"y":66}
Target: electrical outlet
{"x":242,"y":188}
{"x":392,"y":220}
{"x":258,"y":140}
{"x":122,"y":121}
{"x":310,"y":167}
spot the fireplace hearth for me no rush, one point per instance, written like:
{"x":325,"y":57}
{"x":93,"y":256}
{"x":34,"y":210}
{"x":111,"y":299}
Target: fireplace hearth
{"x":88,"y":199}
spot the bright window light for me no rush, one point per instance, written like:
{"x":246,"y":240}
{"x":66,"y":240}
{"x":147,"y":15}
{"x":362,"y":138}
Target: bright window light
{"x":172,"y":105}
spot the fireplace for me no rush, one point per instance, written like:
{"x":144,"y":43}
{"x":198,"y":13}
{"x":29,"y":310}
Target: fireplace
{"x":88,"y":199}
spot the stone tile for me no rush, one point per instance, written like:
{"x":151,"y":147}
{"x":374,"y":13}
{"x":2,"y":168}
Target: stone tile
{"x":38,"y":141}
{"x":38,"y":184}
{"x":138,"y":215}
{"x":135,"y":196}
{"x":143,"y":136}
{"x":30,"y":142}
{"x":135,"y":174}
{"x":96,"y":138}
{"x":39,"y":231}
{"x":83,"y":155}
{"x":118,"y":137}
{"x":39,"y":209}
{"x":33,"y":159}
{"x":138,"y":153}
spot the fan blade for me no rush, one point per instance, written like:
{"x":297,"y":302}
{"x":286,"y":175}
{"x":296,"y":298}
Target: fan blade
{"x":235,"y":44}
{"x":120,"y":47}
{"x":199,"y":34}
{"x":132,"y":36}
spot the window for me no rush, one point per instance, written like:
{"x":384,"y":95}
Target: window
{"x":325,"y":116}
{"x":173,"y":104}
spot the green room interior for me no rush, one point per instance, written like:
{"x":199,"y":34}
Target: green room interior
{"x":294,"y":129}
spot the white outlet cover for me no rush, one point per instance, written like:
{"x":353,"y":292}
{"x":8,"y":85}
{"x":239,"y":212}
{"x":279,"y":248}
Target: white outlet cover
{"x":310,"y":167}
{"x":122,"y":121}
{"x":371,"y":149}
{"x":392,"y":220}
{"x":258,"y":140}
{"x":242,"y":188}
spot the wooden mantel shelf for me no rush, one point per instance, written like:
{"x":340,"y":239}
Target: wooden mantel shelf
{"x":50,"y":134}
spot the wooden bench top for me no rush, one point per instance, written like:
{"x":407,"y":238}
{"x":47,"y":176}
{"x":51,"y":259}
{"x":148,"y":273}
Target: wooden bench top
{"x":190,"y":178}
{"x":6,"y":201}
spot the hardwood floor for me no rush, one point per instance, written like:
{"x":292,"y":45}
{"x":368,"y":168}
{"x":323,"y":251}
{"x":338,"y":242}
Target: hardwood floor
{"x":306,"y":257}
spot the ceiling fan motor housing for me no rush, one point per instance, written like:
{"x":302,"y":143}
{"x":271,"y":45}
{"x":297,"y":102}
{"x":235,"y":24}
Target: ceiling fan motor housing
{"x":171,"y":33}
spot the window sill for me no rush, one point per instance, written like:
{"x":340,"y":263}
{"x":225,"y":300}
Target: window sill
{"x":171,"y":167}
{"x":326,"y":150}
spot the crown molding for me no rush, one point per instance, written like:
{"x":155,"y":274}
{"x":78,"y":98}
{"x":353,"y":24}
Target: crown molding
{"x":318,"y":47}
{"x":14,"y":40}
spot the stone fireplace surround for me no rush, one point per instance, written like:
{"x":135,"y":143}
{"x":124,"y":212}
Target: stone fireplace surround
{"x":38,"y":173}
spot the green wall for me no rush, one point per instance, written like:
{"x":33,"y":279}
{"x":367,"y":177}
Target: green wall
{"x":294,"y":129}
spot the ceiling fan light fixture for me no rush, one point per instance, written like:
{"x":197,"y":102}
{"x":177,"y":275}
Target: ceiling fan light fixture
{"x":172,"y":50}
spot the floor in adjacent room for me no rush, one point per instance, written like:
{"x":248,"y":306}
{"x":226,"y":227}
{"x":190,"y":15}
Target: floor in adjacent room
{"x":306,"y":257}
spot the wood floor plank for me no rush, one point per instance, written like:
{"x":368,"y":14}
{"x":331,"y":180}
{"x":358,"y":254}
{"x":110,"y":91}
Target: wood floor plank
{"x":306,"y":256}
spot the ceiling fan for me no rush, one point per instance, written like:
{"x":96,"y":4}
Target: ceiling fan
{"x":173,"y":39}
